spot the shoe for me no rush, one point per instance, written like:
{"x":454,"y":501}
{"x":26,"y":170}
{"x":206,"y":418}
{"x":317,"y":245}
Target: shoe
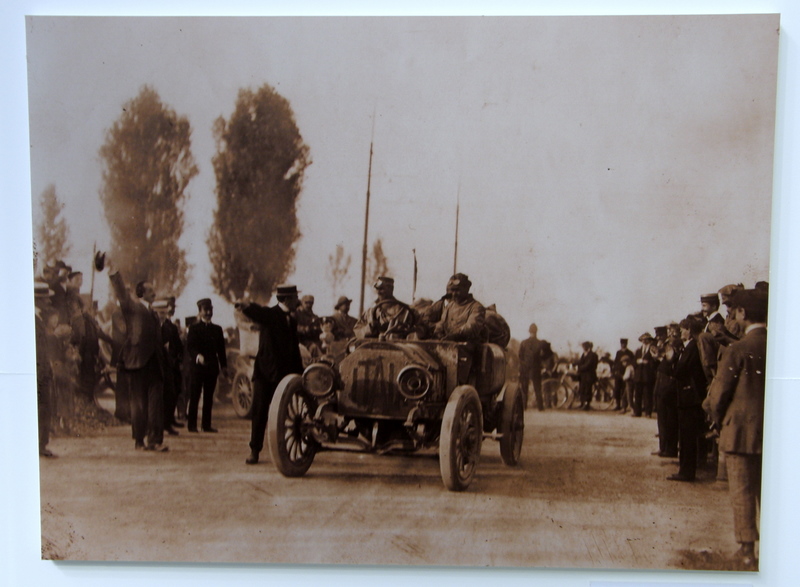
{"x":252,"y":459}
{"x":586,"y":408}
{"x":669,"y":455}
{"x":47,"y":454}
{"x":679,"y":477}
{"x":657,"y":453}
{"x":139,"y":445}
{"x":171,"y":431}
{"x":176,"y":424}
{"x":156,"y":448}
{"x":210,"y":429}
{"x":192,"y":429}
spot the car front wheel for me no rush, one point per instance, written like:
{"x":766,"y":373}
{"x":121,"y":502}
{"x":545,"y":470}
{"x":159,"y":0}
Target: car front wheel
{"x":291,"y":447}
{"x":461,"y":438}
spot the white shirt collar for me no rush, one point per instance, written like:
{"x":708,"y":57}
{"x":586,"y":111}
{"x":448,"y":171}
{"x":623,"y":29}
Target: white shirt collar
{"x":754,"y":326}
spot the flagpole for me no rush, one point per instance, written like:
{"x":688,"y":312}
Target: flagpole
{"x":366,"y":223}
{"x":455,"y":250}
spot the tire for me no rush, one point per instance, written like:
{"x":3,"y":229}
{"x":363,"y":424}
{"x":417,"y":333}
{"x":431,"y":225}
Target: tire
{"x":291,"y":448}
{"x":242,"y":395}
{"x":512,"y":427}
{"x":460,"y":439}
{"x":549,"y":393}
{"x":565,"y":395}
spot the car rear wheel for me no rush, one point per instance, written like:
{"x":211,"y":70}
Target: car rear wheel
{"x":461,"y":438}
{"x":291,"y":447}
{"x":242,"y":395}
{"x":512,"y":427}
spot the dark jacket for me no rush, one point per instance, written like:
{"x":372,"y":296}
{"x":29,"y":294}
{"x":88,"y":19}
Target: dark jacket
{"x":142,"y":329}
{"x":207,"y":340}
{"x":690,"y":377}
{"x":278,"y":351}
{"x":736,"y":397}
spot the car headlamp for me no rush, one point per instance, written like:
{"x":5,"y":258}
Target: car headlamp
{"x":318,"y":379}
{"x":414,"y":381}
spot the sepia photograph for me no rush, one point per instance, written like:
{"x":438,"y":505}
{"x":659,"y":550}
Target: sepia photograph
{"x":427,"y":291}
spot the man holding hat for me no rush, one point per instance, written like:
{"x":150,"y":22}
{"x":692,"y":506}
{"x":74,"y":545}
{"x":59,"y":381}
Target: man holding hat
{"x":44,"y":371}
{"x":618,"y":370}
{"x":736,"y":403}
{"x":343,"y":322}
{"x":206,"y":345}
{"x":388,"y":318}
{"x":142,"y":358}
{"x":644,"y":378}
{"x":278,"y":355}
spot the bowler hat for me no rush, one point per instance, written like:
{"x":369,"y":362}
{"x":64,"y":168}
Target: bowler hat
{"x":287,"y":290}
{"x":709,"y":298}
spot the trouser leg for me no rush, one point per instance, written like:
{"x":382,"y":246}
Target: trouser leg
{"x":43,"y":397}
{"x":209,"y":385}
{"x":195,"y":389}
{"x":138,"y":403}
{"x":744,"y":484}
{"x":262,"y":396}
{"x":690,"y":427}
{"x":541,"y":401}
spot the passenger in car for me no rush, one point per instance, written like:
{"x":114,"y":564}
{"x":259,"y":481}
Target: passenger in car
{"x":464,"y":318}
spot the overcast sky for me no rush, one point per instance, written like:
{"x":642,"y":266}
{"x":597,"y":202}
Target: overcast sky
{"x":609,"y":169}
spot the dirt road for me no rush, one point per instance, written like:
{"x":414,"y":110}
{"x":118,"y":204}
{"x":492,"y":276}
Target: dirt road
{"x":587,"y":494}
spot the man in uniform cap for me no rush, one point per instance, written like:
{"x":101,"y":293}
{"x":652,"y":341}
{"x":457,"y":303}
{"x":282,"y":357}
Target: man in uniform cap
{"x":388,"y":318}
{"x":44,"y":372}
{"x":736,"y":403}
{"x":206,"y":345}
{"x":278,"y":355}
{"x":344,"y":323}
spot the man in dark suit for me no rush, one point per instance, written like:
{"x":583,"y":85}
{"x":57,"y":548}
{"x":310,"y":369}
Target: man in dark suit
{"x":173,"y":348}
{"x":691,"y":385}
{"x":531,"y":352}
{"x":142,"y":358}
{"x":206,"y":345}
{"x":587,"y":375}
{"x":278,"y":355}
{"x":736,"y":403}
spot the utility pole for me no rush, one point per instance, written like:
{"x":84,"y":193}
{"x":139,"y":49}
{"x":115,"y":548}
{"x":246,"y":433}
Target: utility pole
{"x":366,"y":223}
{"x":455,"y":251}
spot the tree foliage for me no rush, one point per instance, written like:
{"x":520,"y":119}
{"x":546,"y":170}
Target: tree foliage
{"x":259,"y":165}
{"x":52,"y":231}
{"x":338,"y":267}
{"x":148,"y":166}
{"x":377,"y":262}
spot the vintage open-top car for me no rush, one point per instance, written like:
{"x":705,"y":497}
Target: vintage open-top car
{"x":382,"y":396}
